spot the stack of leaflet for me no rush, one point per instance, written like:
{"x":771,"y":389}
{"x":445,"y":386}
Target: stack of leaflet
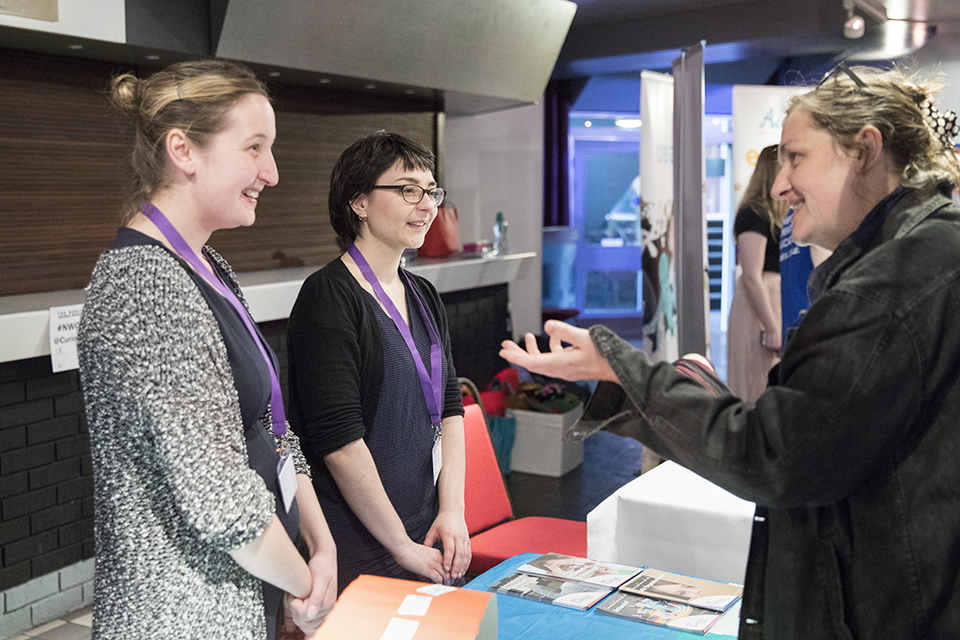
{"x":672,"y":600}
{"x":565,"y":580}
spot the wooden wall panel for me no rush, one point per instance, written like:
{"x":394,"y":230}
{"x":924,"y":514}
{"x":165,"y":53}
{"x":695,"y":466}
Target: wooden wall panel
{"x":293,"y":225}
{"x":64,"y":157}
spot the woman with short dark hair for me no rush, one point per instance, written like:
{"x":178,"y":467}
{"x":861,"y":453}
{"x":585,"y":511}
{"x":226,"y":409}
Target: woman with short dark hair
{"x":372,"y":384}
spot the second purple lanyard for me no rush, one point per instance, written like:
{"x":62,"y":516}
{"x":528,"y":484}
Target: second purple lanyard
{"x":431,"y":383}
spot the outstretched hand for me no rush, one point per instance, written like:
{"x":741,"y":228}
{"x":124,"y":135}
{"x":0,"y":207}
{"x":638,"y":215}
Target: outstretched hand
{"x":578,"y":360}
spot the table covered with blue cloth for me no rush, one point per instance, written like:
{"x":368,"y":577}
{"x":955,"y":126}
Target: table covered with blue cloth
{"x":521,"y":619}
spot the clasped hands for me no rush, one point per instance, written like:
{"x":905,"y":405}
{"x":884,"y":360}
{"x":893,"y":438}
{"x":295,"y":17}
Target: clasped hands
{"x":425,"y":560}
{"x":303,"y":616}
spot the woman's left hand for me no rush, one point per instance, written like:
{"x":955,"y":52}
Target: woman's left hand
{"x":451,"y":529}
{"x":308,"y":613}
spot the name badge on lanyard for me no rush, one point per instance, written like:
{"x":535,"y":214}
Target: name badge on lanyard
{"x":277,"y":413}
{"x":287,"y":476}
{"x":432,"y":383}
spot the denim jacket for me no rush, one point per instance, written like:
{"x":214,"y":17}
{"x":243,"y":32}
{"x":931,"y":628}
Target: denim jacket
{"x":852,"y":454}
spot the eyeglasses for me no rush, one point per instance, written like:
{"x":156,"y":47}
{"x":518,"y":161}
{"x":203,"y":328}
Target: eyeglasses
{"x":843,"y":68}
{"x":413,"y":194}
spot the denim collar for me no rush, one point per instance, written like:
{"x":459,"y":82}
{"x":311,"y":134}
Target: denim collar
{"x":867,"y":231}
{"x":856,"y":244}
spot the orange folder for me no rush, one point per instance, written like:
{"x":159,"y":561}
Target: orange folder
{"x":377,"y":608}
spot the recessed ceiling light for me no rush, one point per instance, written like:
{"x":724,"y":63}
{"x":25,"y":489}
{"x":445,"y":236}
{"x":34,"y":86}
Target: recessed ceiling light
{"x":369,"y":86}
{"x":588,"y":124}
{"x":629,"y":123}
{"x":153,"y":57}
{"x":324,"y":80}
{"x":75,"y":47}
{"x":274,"y":74}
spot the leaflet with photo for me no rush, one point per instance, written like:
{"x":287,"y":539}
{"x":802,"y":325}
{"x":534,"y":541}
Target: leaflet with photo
{"x":584,"y":570}
{"x":675,"y":587}
{"x":565,"y":593}
{"x":673,"y":615}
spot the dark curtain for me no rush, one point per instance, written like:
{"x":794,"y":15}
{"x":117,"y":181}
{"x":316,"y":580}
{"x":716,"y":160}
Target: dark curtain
{"x":558,"y":100}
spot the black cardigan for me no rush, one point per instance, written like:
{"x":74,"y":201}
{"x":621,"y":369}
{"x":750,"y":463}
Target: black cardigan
{"x":335,"y":356}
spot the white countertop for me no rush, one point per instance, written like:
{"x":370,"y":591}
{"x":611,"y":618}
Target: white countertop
{"x":25,"y":319}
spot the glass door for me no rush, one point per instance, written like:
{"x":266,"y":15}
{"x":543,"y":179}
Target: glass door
{"x":605,"y":208}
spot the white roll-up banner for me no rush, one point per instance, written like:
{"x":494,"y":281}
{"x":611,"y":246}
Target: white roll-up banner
{"x":660,"y":337}
{"x":758,"y":113}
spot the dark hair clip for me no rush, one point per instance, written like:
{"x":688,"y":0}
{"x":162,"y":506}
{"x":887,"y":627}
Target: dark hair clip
{"x":842,"y":67}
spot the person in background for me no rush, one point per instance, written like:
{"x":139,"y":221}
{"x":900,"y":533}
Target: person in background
{"x":373,"y":388}
{"x":852,"y":454}
{"x":196,"y":527}
{"x":754,"y":327}
{"x":796,"y":265}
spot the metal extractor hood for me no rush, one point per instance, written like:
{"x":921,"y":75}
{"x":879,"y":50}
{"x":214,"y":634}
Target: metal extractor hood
{"x":503,"y":50}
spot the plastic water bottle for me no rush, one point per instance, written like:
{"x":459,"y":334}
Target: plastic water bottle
{"x":499,"y":236}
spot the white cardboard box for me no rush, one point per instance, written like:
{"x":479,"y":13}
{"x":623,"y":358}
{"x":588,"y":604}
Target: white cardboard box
{"x":539,"y":447}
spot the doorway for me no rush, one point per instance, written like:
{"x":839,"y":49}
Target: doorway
{"x":605,"y":210}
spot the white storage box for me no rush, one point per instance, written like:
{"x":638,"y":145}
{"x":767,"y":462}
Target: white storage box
{"x":539,"y":447}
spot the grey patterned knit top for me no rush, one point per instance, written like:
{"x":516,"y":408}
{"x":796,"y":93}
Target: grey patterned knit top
{"x":173,"y":488}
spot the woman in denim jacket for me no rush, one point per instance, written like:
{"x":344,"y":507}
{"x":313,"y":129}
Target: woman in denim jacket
{"x":852,"y":454}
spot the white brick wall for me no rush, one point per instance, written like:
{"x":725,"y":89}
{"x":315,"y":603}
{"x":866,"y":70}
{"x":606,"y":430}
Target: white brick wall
{"x":46,"y":598}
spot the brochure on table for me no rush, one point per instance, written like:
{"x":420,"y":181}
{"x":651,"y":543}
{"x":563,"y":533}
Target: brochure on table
{"x":519,"y":617}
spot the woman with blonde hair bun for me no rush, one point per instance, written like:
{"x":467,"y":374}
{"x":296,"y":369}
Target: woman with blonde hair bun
{"x":852,"y":453}
{"x":754,"y":336}
{"x":201,"y":494}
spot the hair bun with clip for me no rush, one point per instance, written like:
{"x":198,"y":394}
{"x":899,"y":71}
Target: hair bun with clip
{"x":944,"y":125}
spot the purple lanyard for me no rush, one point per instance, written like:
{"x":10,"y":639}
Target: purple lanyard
{"x":431,"y":384}
{"x":183,"y":249}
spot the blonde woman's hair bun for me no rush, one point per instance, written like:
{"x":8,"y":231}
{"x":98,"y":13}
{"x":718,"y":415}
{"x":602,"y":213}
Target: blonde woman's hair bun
{"x":125,"y":93}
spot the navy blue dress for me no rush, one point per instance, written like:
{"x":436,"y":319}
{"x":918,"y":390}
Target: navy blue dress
{"x":400,"y":441}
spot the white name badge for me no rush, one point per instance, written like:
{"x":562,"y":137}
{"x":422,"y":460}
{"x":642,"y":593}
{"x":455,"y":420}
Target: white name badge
{"x":287,"y":476}
{"x":437,"y":459}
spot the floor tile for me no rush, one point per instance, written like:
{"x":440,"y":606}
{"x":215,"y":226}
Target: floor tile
{"x":44,"y":628}
{"x":86,"y":620}
{"x":66,"y":631}
{"x":82,"y":617}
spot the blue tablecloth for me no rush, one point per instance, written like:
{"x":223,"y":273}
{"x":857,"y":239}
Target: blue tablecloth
{"x":521,"y":619}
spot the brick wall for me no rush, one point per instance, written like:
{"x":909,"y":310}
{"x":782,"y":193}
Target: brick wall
{"x":479,"y":321}
{"x":46,"y":490}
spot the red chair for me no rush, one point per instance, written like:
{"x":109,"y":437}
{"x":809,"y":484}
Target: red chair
{"x":494,"y":534}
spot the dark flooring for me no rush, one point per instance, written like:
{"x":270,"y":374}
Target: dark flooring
{"x":609,"y":462}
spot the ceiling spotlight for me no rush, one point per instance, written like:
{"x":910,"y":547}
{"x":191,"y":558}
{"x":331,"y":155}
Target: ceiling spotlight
{"x":854,"y":27}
